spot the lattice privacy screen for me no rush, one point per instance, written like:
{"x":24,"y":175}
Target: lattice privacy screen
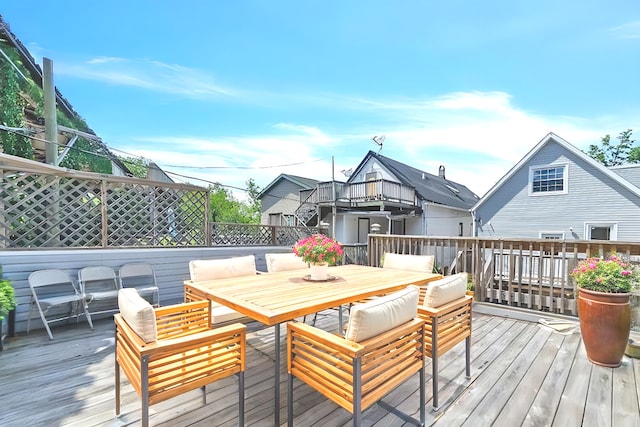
{"x":40,"y":210}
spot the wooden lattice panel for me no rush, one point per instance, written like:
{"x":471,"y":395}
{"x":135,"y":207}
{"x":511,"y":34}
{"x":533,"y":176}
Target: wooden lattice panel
{"x":224,"y":234}
{"x":41,"y":210}
{"x":141,"y":215}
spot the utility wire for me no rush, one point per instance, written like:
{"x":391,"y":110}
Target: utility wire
{"x":14,"y":131}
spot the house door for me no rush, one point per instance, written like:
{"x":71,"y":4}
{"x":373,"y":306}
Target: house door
{"x":397,"y":227}
{"x":363,"y":229}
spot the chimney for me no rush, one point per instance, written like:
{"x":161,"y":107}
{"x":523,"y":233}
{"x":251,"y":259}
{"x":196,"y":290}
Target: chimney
{"x":441,"y":171}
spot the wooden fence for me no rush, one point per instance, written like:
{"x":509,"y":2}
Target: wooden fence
{"x":533,"y":274}
{"x":46,"y":207}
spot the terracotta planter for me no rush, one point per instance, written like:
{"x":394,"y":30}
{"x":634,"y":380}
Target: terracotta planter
{"x":605,"y":322}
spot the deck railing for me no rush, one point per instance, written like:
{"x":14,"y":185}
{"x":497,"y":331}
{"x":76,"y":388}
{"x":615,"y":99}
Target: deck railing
{"x":357,"y":192}
{"x":529,"y":273}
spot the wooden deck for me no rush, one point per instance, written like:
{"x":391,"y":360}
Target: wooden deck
{"x":522,"y":373}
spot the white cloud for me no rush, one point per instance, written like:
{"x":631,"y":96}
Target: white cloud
{"x":146,"y":74}
{"x":630,"y":30}
{"x":478,"y":136}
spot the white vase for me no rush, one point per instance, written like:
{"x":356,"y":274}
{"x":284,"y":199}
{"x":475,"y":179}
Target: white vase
{"x":319,"y":271}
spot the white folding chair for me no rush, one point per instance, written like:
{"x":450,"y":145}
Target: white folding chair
{"x":53,"y":292}
{"x":99,"y":284}
{"x":141,"y":276}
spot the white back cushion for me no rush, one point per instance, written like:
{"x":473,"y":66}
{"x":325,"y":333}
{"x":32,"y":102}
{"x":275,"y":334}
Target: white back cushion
{"x":382,"y":314}
{"x":420,"y":263}
{"x":450,"y":288}
{"x":138,"y":314}
{"x":211,"y":269}
{"x":284,"y":262}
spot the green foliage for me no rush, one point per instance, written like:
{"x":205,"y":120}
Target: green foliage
{"x":11,"y":113}
{"x":7,"y":298}
{"x":612,"y":155}
{"x":136,"y":165}
{"x":226,"y":208}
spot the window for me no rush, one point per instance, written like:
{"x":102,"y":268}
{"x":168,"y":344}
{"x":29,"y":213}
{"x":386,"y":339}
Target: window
{"x":545,"y":180}
{"x":274,"y":218}
{"x":601,"y":231}
{"x":552,"y":235}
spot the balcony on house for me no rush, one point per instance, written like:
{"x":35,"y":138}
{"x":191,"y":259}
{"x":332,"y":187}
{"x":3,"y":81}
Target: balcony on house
{"x":362,"y":194}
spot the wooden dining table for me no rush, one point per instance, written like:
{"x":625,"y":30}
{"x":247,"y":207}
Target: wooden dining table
{"x":274,"y":298}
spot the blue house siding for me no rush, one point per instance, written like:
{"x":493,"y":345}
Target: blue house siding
{"x":592,"y":197}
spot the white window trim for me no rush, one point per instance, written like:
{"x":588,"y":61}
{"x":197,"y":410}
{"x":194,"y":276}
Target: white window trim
{"x":613,"y":226}
{"x":565,"y":179}
{"x":552,"y":233}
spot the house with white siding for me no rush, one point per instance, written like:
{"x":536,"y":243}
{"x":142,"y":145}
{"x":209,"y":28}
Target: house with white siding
{"x":556,"y":191}
{"x":385,"y":196}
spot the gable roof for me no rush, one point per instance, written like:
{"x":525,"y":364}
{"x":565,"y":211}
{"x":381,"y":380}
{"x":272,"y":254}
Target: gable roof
{"x":305,"y":183}
{"x":430,"y":188}
{"x":549,"y":139}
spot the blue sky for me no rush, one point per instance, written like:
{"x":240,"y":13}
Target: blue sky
{"x":239,"y":90}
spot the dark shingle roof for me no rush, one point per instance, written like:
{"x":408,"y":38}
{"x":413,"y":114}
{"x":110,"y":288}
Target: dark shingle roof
{"x":431,"y":188}
{"x":305,"y":183}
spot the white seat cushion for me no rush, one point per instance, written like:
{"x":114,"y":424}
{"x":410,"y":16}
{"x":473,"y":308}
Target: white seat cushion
{"x":223,"y":314}
{"x":138,"y":314}
{"x":450,"y":288}
{"x":211,"y":269}
{"x":382,"y":314}
{"x":284,"y":262}
{"x":420,"y":263}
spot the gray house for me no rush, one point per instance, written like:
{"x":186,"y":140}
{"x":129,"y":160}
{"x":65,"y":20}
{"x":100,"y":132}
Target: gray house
{"x":559,"y":192}
{"x":281,"y":198}
{"x":385,"y":196}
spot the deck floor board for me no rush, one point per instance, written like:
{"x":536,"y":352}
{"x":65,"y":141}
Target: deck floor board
{"x":522,"y":373}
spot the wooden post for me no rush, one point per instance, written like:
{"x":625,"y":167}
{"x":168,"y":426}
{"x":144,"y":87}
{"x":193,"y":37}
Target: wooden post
{"x":50,"y":120}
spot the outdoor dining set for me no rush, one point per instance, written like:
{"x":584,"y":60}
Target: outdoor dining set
{"x":397,"y":316}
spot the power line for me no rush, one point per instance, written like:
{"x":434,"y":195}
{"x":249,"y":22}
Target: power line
{"x":149,"y":166}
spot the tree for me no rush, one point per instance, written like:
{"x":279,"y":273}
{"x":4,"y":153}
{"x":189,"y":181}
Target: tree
{"x":11,"y":114}
{"x":225,"y":207}
{"x":612,"y":155}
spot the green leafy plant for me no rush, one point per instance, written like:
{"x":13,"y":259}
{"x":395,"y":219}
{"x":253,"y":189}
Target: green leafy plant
{"x":7,"y":298}
{"x":611,"y":275}
{"x":318,"y":249}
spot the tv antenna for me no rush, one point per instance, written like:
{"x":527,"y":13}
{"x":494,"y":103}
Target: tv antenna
{"x":347,"y":172}
{"x":379,"y":140}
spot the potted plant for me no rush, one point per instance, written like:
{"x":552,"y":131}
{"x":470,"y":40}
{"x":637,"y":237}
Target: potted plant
{"x":320,"y":252}
{"x":7,"y":303}
{"x":604,"y":288}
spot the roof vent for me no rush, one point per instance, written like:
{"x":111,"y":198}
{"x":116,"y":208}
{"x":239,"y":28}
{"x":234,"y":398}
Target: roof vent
{"x":441,"y":171}
{"x":423,"y":176}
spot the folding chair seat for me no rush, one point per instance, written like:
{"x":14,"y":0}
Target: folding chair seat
{"x":383,"y":347}
{"x":142,"y":277}
{"x":171,"y":350}
{"x":100,"y":286}
{"x":446,"y":309}
{"x":53,"y":290}
{"x":212,"y":269}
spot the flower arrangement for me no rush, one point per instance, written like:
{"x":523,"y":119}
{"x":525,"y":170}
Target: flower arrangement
{"x":611,"y":275}
{"x":318,"y":249}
